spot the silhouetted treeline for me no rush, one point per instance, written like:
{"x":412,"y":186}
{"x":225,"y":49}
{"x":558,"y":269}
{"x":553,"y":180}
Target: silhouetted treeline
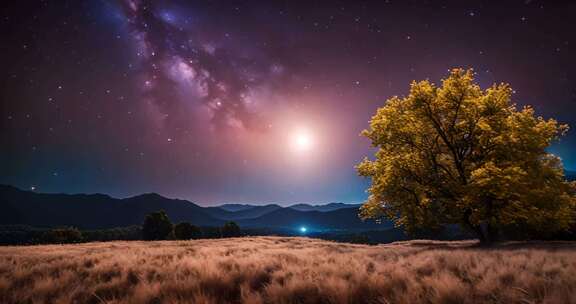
{"x":27,"y":235}
{"x":156,"y":226}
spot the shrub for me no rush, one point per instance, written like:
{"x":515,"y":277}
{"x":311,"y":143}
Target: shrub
{"x":186,"y":231}
{"x":63,"y":235}
{"x":230,"y":229}
{"x":112,"y":234}
{"x":157,"y":226}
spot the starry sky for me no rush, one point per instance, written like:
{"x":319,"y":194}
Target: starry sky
{"x":200,"y":100}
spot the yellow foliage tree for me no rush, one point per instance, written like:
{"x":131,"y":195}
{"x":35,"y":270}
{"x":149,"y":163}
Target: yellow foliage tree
{"x":456,"y":154}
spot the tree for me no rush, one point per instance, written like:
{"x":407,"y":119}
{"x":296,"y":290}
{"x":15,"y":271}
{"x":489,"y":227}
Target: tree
{"x":456,"y":154}
{"x":157,"y":226}
{"x":230,"y":229}
{"x":186,"y":231}
{"x":63,"y":235}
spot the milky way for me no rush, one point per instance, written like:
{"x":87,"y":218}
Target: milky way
{"x":202,"y":100}
{"x":180,"y":67}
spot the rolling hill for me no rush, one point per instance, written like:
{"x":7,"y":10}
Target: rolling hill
{"x":92,"y":211}
{"x":96,"y":211}
{"x":235,"y":207}
{"x":323,"y":208}
{"x":287,"y":218}
{"x":241,"y":214}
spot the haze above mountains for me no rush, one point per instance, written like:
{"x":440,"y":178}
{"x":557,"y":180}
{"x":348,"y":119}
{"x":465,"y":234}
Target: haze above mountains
{"x":98,"y":211}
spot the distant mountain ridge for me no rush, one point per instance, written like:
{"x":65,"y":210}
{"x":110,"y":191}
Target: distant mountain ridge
{"x":91,"y":211}
{"x":96,"y":211}
{"x":243,"y":213}
{"x":340,"y":219}
{"x":235,"y":207}
{"x":323,"y":207}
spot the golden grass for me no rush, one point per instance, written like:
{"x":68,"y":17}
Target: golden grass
{"x":286,"y":270}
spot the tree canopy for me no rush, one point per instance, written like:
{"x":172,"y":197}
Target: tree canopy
{"x":230,"y":229}
{"x":157,"y":226}
{"x":457,"y":154}
{"x":186,"y":231}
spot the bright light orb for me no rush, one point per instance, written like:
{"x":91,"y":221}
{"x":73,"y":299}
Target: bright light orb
{"x":302,"y":141}
{"x":303,"y":229}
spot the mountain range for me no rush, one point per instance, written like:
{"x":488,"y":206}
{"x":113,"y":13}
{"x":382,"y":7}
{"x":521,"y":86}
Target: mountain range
{"x":98,"y":211}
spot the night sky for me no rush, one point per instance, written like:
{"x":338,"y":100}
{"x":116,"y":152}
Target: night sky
{"x":249,"y":101}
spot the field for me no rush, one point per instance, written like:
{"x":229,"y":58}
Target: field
{"x":287,"y":270}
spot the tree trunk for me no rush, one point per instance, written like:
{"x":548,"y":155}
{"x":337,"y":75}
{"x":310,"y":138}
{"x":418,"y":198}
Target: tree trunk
{"x":481,"y":236}
{"x":486,"y":233}
{"x":492,"y":232}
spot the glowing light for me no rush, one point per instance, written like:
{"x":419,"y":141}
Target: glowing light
{"x":302,"y":141}
{"x":303,"y":229}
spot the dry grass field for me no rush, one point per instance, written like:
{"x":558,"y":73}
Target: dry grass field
{"x":287,"y":270}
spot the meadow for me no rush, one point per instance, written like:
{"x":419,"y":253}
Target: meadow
{"x":288,"y":270}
